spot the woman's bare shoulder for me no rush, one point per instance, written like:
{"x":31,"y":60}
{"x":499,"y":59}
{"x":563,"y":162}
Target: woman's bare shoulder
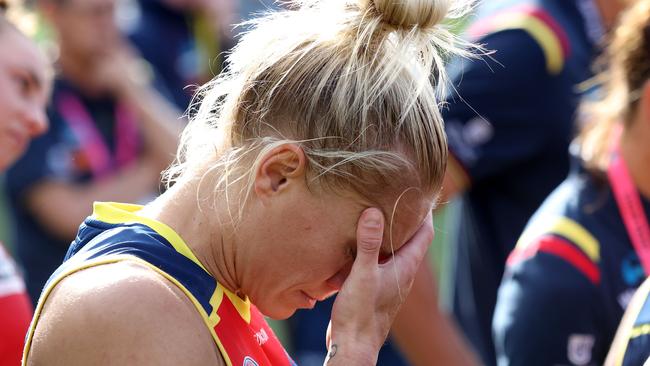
{"x":117,"y":314}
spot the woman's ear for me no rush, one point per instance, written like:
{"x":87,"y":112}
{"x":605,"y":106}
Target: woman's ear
{"x":278,"y":169}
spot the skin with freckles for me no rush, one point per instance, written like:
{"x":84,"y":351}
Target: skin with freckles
{"x":23,"y":95}
{"x":310,"y":258}
{"x":295,"y":243}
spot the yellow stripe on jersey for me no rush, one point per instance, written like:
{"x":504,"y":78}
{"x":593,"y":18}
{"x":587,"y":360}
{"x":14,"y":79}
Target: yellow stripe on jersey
{"x":243,"y":306}
{"x":215,"y":302}
{"x":541,"y":33}
{"x":109,"y":260}
{"x":123,"y":213}
{"x":567,"y":228}
{"x":640,"y":330}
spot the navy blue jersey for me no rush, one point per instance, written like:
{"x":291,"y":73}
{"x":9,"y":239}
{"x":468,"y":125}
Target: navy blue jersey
{"x":84,"y":142}
{"x":509,"y":122}
{"x":569,"y":279}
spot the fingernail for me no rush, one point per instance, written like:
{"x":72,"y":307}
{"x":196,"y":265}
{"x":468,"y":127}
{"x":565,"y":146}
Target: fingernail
{"x":373,"y":219}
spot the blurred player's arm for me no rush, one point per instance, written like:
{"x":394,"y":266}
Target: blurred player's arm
{"x":424,"y":333}
{"x":62,"y":206}
{"x":127,"y":76}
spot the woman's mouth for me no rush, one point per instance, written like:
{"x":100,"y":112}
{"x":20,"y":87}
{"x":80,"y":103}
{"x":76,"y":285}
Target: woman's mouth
{"x":309,"y":302}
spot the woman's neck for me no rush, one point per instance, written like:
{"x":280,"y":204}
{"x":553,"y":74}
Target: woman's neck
{"x":199,"y":226}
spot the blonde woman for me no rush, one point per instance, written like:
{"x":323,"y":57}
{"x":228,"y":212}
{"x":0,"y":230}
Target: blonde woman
{"x":310,"y":167}
{"x":586,"y":250}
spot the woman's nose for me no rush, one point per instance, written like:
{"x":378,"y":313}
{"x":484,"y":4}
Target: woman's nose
{"x":36,"y":119}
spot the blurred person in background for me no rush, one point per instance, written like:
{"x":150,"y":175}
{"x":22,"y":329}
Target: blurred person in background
{"x":182,"y":40}
{"x":509,"y":122}
{"x":24,"y":84}
{"x":587,"y":248}
{"x":110,"y":136}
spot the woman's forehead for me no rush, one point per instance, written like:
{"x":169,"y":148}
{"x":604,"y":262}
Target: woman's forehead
{"x":24,"y":52}
{"x":404,"y":219}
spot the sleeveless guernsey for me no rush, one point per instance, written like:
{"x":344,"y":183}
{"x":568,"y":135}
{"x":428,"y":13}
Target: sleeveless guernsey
{"x":115,"y":232}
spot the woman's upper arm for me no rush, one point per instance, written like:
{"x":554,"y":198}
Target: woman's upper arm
{"x":120,"y":314}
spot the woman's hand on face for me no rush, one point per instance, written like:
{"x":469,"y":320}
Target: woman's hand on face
{"x":372,"y":294}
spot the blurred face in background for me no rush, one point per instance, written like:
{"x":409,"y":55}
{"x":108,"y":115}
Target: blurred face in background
{"x":86,"y":28}
{"x":23,"y":94}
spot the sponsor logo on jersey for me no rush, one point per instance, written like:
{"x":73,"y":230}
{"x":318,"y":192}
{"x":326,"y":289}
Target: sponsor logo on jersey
{"x":248,"y":361}
{"x":580,"y":348}
{"x":631,"y":270}
{"x":261,"y":337}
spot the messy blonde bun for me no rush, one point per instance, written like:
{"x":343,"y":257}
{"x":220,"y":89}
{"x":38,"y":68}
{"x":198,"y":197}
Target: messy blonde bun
{"x":355,"y":84}
{"x":409,"y":13}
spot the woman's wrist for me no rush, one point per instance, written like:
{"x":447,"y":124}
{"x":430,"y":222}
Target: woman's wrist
{"x":350,"y":353}
{"x":348,"y":349}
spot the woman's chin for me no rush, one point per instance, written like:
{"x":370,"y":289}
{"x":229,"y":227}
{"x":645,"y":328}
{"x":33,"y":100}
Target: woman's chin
{"x":277,"y":313}
{"x":280,"y":310}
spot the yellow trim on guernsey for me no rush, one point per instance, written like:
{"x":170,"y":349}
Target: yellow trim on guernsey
{"x":119,"y":213}
{"x":123,"y":213}
{"x":542,"y":34}
{"x":640,"y":330}
{"x":567,"y":228}
{"x":109,"y":260}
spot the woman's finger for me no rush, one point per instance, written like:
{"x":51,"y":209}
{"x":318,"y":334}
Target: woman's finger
{"x":370,"y":233}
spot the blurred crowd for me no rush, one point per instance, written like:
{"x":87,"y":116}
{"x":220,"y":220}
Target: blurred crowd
{"x":549,"y":167}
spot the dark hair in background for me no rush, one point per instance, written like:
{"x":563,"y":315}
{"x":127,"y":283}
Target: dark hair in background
{"x":626,"y":70}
